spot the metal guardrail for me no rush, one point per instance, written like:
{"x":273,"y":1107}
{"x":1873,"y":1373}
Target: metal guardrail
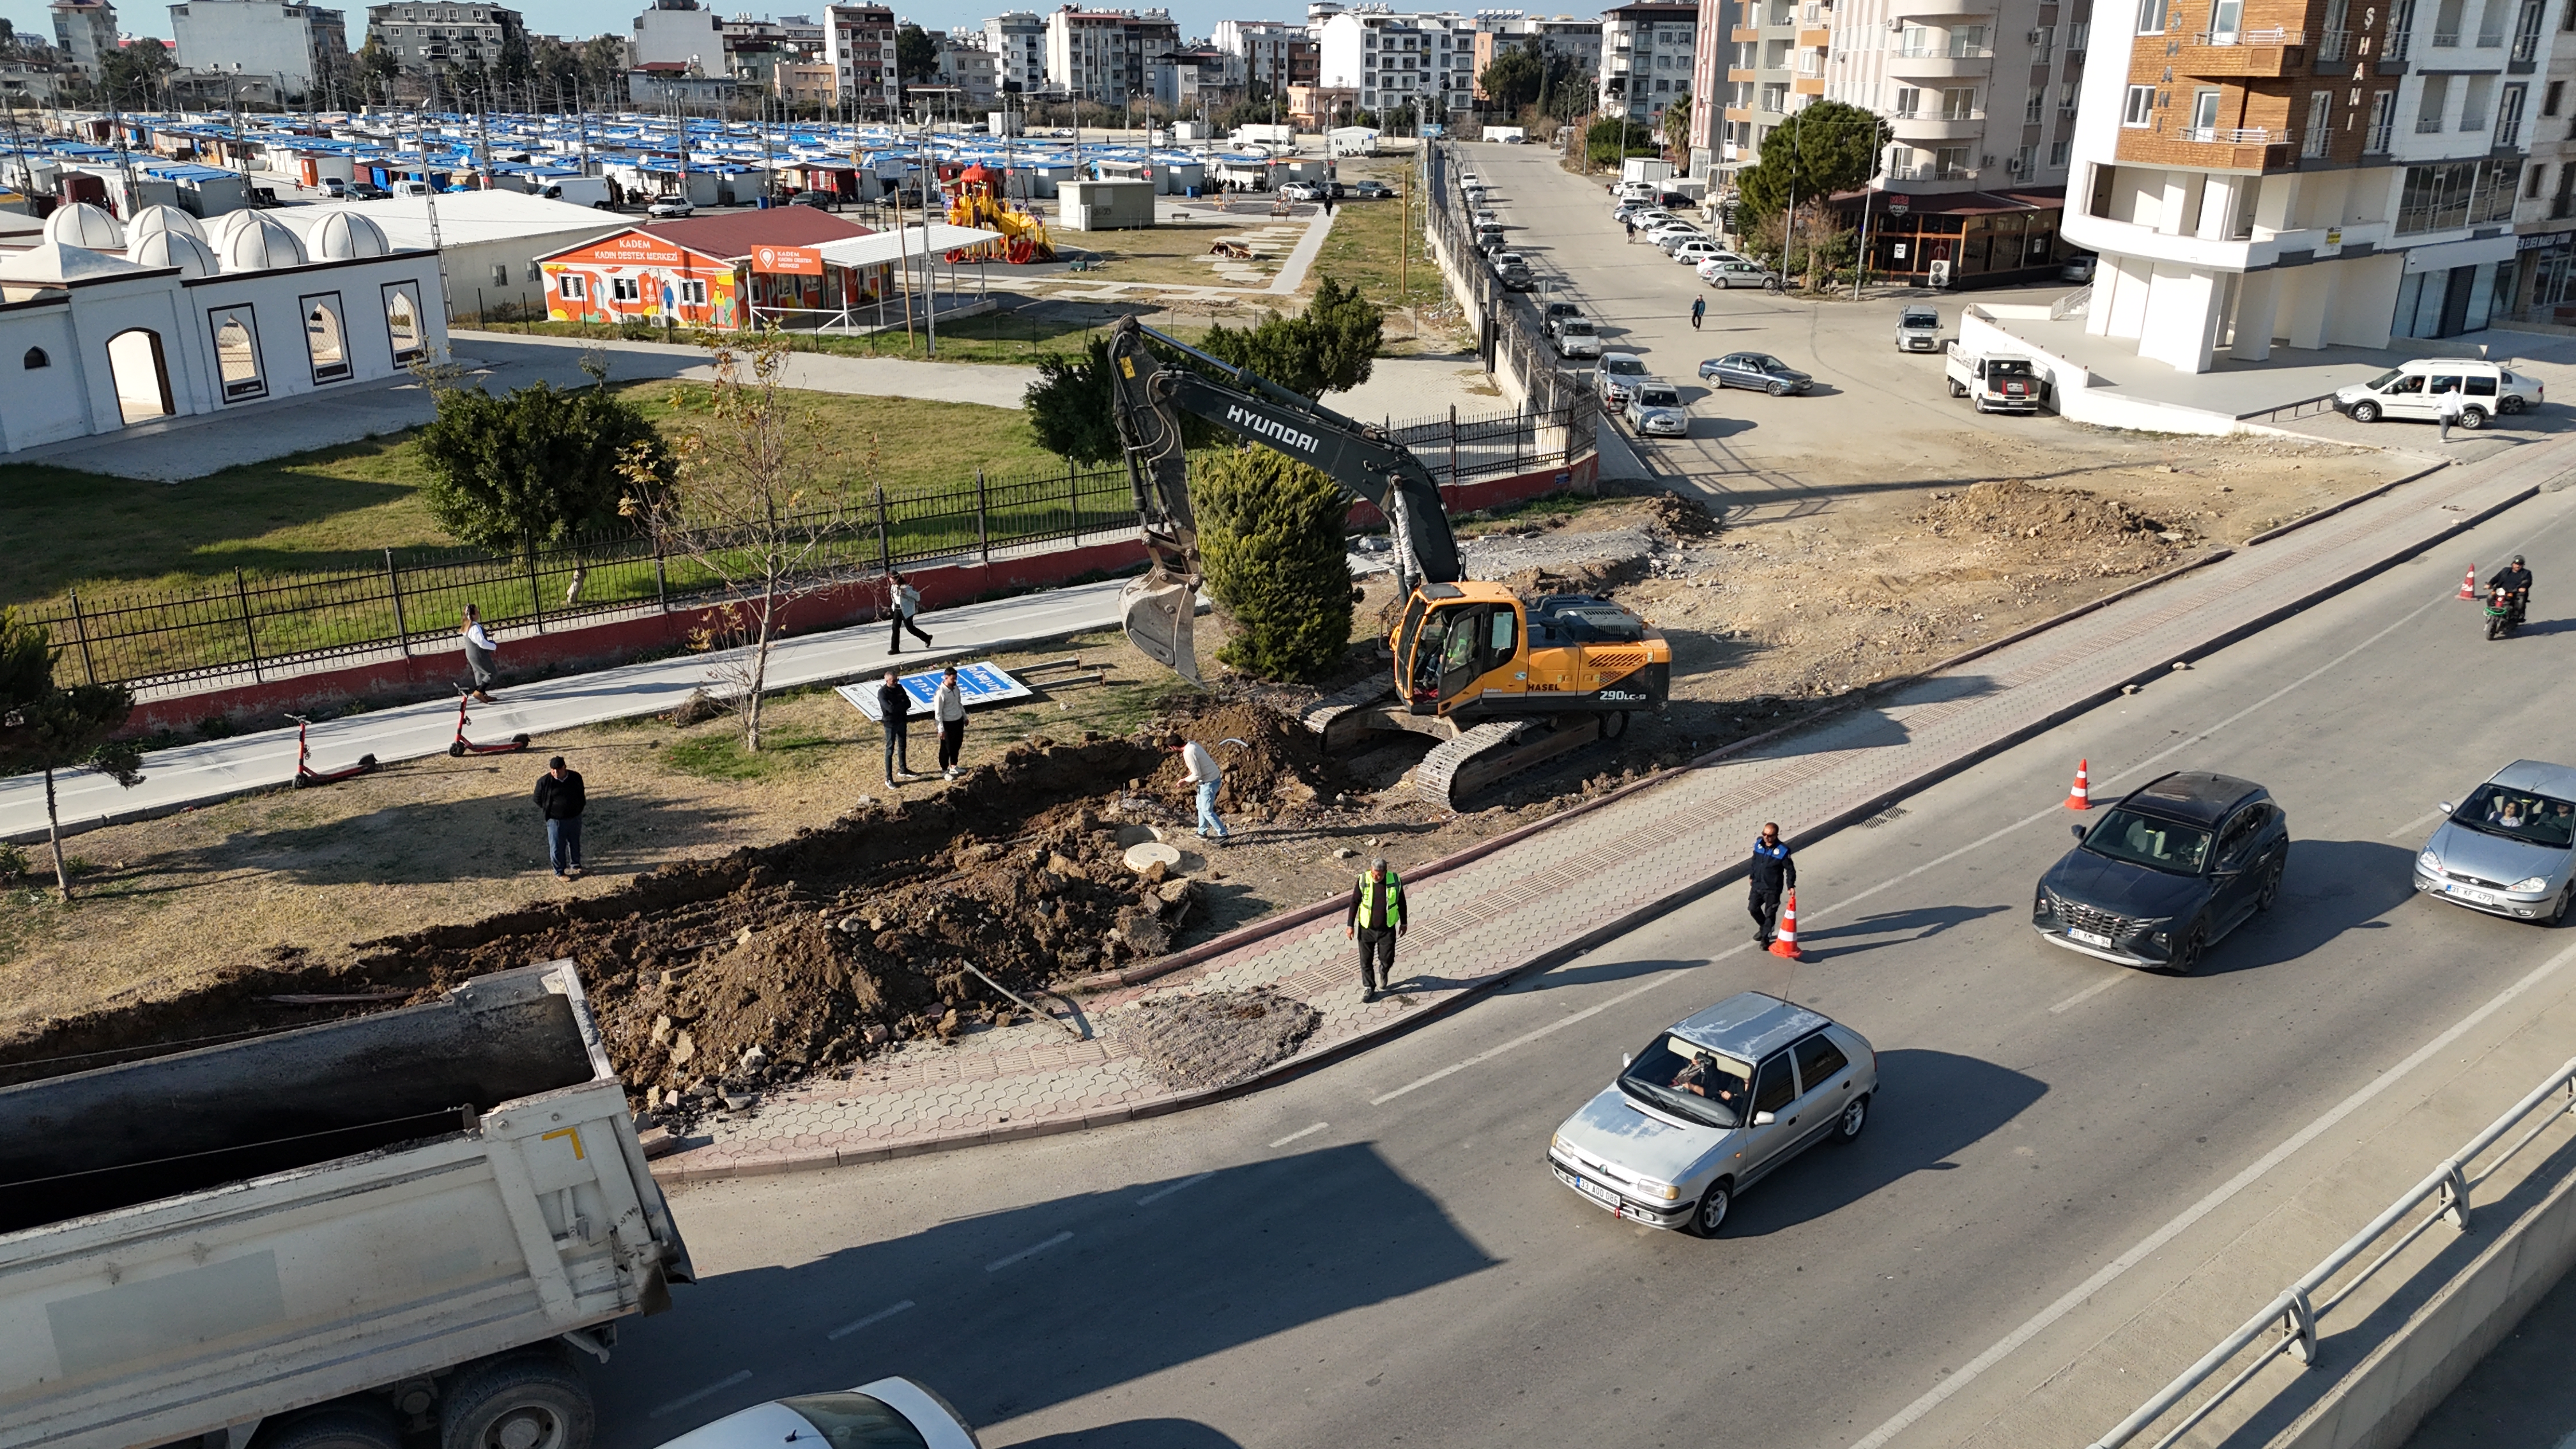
{"x":2296,"y":1312}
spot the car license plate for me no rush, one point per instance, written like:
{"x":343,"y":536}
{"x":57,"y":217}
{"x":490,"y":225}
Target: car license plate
{"x":1598,"y":1193}
{"x":2089,"y":938}
{"x":2465,"y":893}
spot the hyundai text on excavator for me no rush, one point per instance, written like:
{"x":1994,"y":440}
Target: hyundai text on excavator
{"x":1504,"y":684}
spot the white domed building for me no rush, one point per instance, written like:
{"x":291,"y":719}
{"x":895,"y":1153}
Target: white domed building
{"x":107,"y":324}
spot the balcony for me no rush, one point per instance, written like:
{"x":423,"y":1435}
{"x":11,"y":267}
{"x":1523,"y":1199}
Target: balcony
{"x":1927,"y":126}
{"x":1939,"y":64}
{"x":2331,"y":45}
{"x":1931,"y":173}
{"x":2273,"y":52}
{"x":2211,"y":148}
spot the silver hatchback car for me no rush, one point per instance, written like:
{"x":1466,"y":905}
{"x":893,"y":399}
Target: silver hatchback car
{"x":1712,"y":1105}
{"x":2507,"y":849}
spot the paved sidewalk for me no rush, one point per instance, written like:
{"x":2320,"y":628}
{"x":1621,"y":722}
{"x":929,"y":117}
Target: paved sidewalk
{"x":197,"y":774}
{"x":1507,"y":908}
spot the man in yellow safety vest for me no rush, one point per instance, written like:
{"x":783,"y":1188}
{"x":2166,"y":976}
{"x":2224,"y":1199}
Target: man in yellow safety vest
{"x":1375,"y":919}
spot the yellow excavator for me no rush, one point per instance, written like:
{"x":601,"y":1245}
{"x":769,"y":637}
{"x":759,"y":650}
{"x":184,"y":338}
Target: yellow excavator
{"x":1504,"y":683}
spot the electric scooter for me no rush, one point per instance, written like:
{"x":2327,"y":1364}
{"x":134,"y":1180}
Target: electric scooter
{"x":306,"y":775}
{"x":460,"y":747}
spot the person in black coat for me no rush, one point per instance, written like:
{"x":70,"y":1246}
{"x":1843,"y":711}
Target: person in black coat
{"x":560,"y":799}
{"x":1772,"y":873}
{"x":894,"y":712}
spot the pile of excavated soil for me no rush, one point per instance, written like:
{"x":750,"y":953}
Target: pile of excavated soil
{"x":2105,"y":536}
{"x":1211,"y":1038}
{"x":776,"y":963}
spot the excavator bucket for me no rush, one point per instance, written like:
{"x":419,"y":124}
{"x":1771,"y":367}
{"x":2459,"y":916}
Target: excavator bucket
{"x":1157,"y":610}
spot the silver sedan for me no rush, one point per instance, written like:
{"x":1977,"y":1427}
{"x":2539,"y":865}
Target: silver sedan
{"x":2507,"y":849}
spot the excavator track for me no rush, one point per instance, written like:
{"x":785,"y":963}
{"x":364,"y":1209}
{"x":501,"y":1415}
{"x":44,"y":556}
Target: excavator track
{"x":1457,"y":771}
{"x":1339,"y":720}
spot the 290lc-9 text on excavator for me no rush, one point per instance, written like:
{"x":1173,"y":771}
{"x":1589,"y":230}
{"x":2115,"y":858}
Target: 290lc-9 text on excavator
{"x":1504,"y":683}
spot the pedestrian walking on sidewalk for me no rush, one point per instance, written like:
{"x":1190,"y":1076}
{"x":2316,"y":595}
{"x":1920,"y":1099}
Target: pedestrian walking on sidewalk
{"x":948,"y":706}
{"x":902,"y":602}
{"x":894,"y":713}
{"x":1375,"y":919}
{"x":560,"y":799}
{"x":481,"y":655}
{"x":1772,"y":872}
{"x":1630,"y":223}
{"x":1202,"y":773}
{"x":1699,"y":309}
{"x":2447,"y":409}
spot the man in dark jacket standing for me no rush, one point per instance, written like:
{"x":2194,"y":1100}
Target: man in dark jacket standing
{"x":894,"y":712}
{"x":1375,"y":919}
{"x":560,"y":801}
{"x":1772,"y":872}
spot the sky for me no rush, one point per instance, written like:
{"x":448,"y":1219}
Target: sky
{"x":591,"y":17}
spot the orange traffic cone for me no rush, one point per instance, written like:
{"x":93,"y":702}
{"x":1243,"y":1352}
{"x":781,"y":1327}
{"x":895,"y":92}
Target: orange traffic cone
{"x":1786,"y":943}
{"x":2469,"y":585}
{"x":2081,"y":797}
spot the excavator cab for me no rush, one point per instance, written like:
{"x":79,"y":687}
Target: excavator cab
{"x":1460,"y":642}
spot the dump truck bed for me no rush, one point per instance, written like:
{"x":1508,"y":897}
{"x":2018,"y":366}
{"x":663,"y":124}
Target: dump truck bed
{"x":198,"y":1242}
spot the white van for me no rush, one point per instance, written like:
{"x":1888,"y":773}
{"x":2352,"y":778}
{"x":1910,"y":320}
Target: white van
{"x":2414,"y":389}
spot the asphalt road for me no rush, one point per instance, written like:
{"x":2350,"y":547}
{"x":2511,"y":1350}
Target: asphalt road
{"x":1748,"y":451}
{"x":1374,"y":1254}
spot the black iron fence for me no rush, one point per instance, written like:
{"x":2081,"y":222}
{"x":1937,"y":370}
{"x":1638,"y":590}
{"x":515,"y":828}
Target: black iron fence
{"x":258,"y":625}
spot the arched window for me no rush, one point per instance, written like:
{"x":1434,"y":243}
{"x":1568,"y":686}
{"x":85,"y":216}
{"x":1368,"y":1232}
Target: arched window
{"x":323,"y":339}
{"x":36,"y":358}
{"x":402,"y":320}
{"x":237,"y":354}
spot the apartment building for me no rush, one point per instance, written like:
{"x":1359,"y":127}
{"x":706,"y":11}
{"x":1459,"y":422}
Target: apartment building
{"x":968,"y":69}
{"x":296,"y":46}
{"x":1099,"y":55}
{"x":1018,"y":41}
{"x":2311,"y":172}
{"x":1576,"y":43}
{"x":1398,"y":58}
{"x":1769,"y":60}
{"x":858,"y":43}
{"x":759,"y":51}
{"x":424,"y":38}
{"x":1646,"y":51}
{"x":1265,"y":48}
{"x":1981,"y":94}
{"x":2543,"y":286}
{"x":85,"y":30}
{"x":677,"y":32}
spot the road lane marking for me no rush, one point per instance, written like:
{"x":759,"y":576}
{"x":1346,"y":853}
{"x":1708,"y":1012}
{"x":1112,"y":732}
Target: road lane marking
{"x":1935,"y":863}
{"x":710,"y":1391}
{"x":872,"y":1320}
{"x":1301,"y":1132}
{"x":2411,"y":826}
{"x":2218,"y":1197}
{"x":998,"y":1264}
{"x":2089,"y":992}
{"x":1160,"y":1193}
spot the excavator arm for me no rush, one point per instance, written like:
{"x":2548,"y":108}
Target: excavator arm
{"x":1158,"y":608}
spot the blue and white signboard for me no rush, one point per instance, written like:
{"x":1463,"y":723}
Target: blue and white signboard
{"x":981,"y":684}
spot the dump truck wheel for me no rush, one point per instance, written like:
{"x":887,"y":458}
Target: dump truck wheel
{"x":525,"y":1401}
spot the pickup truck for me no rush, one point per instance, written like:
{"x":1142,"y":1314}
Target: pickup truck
{"x":1998,"y":382}
{"x":399,"y":1223}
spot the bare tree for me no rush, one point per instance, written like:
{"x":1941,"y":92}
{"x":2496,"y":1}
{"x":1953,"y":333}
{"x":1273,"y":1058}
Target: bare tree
{"x":740,"y":503}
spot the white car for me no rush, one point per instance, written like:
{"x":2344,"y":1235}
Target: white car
{"x":1576,"y":337}
{"x":1696,"y":250}
{"x":2414,"y":388}
{"x":1715,"y":1103}
{"x":1655,"y":410}
{"x":886,"y":1414}
{"x":669,"y":206}
{"x":1619,"y":375}
{"x":1674,"y":233}
{"x":1487,"y":217}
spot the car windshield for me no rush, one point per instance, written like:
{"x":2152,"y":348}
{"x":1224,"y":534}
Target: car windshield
{"x":1687,"y":1080}
{"x":2151,"y":841}
{"x":2008,"y":367}
{"x":1658,"y":397}
{"x":1575,"y":327}
{"x":1624,"y":367}
{"x":2385,"y":378}
{"x":1919,"y":319}
{"x":856,"y":1421}
{"x":2518,"y":815}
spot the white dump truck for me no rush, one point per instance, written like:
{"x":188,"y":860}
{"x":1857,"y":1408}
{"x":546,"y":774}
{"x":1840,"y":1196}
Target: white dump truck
{"x":330,"y":1237}
{"x":1998,"y":382}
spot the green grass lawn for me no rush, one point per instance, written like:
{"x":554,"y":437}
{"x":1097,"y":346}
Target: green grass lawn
{"x":341,"y":508}
{"x":1371,"y":243}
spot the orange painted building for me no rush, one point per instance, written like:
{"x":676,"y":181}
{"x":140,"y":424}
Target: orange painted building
{"x":710,"y":272}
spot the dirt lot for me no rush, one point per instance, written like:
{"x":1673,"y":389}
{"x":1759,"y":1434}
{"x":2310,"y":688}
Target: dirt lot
{"x":785,"y":902}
